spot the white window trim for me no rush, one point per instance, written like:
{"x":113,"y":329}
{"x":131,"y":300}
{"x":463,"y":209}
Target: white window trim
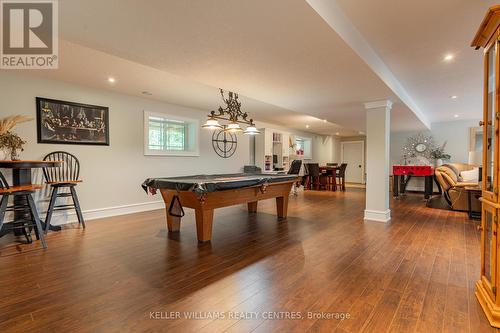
{"x":192,"y":122}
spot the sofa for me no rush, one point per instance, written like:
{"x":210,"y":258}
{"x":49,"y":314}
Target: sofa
{"x":453,"y":186}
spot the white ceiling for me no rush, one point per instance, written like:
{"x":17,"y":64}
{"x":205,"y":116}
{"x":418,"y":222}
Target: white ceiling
{"x":280,"y":53}
{"x":92,"y":68}
{"x":412,"y":37}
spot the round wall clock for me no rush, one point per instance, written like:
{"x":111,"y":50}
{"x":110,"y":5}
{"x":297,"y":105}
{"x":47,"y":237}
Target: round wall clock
{"x":224,"y":143}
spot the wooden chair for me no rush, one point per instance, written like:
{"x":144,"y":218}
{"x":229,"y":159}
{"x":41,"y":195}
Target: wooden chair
{"x":314,"y":176}
{"x":330,"y":175}
{"x":64,"y":176}
{"x":6,"y":192}
{"x":341,"y":176}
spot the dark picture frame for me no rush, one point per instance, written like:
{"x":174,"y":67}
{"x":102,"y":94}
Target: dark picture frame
{"x":63,"y":122}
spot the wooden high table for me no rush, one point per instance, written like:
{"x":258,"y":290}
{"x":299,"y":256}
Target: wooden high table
{"x":21,"y":175}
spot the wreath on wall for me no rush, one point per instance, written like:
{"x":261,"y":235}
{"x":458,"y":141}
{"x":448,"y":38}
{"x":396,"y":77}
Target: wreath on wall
{"x":419,"y":149}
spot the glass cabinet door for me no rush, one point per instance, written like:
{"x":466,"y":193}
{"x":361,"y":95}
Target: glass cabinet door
{"x":490,"y":116}
{"x":488,"y":241}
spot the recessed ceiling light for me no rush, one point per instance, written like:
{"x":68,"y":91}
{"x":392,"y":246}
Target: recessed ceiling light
{"x":111,"y":79}
{"x":337,"y":133}
{"x":448,"y":57}
{"x":455,"y":115}
{"x":324,"y":120}
{"x":454,"y":97}
{"x":307,"y":126}
{"x":147,"y":93}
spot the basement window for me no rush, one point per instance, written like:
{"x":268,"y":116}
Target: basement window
{"x":170,"y":135}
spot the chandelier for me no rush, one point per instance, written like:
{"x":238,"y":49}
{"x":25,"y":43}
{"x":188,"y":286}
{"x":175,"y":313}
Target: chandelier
{"x":231,"y":113}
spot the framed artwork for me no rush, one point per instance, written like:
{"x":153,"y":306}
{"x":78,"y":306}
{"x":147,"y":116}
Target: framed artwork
{"x":64,"y":122}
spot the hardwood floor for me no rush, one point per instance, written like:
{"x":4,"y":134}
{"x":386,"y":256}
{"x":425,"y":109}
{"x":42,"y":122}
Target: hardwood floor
{"x":415,"y":274}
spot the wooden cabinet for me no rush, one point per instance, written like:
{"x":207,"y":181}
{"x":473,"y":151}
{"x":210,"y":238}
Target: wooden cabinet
{"x":488,"y":38}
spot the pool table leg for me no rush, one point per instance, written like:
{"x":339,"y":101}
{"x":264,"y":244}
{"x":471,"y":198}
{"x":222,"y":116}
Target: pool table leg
{"x":252,"y":207}
{"x":282,"y":207}
{"x":204,"y":219}
{"x":173,"y":223}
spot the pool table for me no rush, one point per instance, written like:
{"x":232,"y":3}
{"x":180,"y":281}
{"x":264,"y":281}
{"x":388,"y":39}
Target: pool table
{"x":204,"y":193}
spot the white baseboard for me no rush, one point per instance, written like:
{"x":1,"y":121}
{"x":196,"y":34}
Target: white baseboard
{"x":92,"y":214}
{"x":377,"y":215}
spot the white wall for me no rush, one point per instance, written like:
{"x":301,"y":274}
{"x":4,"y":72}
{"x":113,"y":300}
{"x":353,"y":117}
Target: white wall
{"x":322,"y":149}
{"x":455,"y":133}
{"x":112,"y":175}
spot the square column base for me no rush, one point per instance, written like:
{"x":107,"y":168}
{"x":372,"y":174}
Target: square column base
{"x":378,"y":216}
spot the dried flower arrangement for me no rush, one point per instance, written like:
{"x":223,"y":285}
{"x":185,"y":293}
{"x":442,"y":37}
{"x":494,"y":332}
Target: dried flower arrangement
{"x":10,"y":142}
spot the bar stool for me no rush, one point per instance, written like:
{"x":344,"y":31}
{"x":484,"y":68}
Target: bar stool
{"x":64,"y":176}
{"x":26,"y":190}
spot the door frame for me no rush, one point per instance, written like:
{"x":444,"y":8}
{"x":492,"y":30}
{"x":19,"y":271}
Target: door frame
{"x":363,"y":181}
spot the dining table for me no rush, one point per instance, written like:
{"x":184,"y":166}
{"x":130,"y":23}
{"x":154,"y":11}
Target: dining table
{"x":22,"y":175}
{"x":332,"y":169}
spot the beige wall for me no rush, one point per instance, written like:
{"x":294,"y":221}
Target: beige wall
{"x":112,"y":175}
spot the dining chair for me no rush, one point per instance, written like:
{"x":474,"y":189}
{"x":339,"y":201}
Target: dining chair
{"x":341,"y":176}
{"x":330,"y":175}
{"x":251,"y":169}
{"x":295,"y":167}
{"x":314,"y":176}
{"x":29,"y":208}
{"x":64,"y":176}
{"x":295,"y":170}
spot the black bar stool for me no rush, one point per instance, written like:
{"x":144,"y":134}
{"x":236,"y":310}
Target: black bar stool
{"x":7,"y":191}
{"x":64,"y":176}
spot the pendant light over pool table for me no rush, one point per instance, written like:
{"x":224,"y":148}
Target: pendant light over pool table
{"x":232,"y":114}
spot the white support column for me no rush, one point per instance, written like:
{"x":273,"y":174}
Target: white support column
{"x":378,"y":130}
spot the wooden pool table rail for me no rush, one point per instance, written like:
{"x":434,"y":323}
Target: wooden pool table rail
{"x":204,"y":204}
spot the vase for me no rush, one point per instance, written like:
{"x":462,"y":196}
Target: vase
{"x":14,"y":155}
{"x":3,"y":155}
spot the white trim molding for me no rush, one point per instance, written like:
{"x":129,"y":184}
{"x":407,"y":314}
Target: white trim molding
{"x":386,"y":103}
{"x":93,"y":214}
{"x":377,"y":216}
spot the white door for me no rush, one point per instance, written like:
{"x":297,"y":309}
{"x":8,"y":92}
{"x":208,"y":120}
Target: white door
{"x":353,"y":153}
